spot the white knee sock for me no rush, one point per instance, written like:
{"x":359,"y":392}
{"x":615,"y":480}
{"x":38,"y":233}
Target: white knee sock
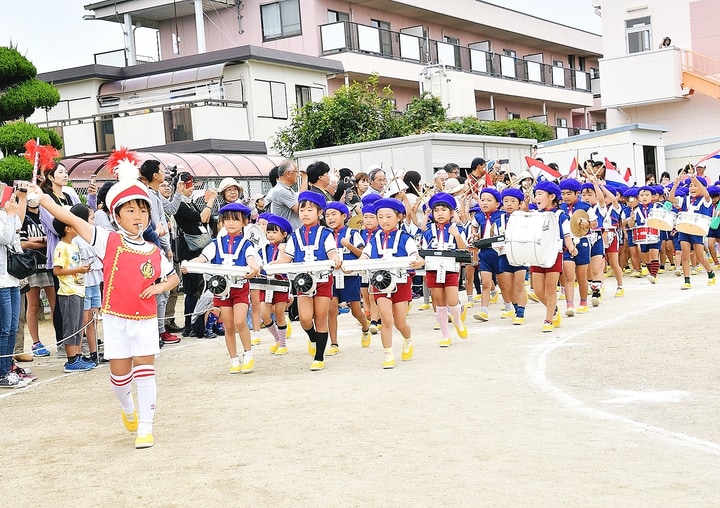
{"x":442,"y":317}
{"x":147,"y":397}
{"x":122,"y":388}
{"x":456,"y":313}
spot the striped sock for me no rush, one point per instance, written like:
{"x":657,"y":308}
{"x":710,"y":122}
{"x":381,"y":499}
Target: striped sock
{"x":147,"y":397}
{"x":122,"y":388}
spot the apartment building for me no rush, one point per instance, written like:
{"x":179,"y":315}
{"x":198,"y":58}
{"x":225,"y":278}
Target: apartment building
{"x":233,"y":69}
{"x":676,"y":84}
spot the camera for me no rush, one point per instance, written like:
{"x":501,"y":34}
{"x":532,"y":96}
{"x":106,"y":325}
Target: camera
{"x":504,"y":161}
{"x":20,"y":185}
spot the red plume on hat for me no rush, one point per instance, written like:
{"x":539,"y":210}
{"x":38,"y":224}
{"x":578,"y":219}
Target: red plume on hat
{"x":120,"y":158}
{"x":45,"y":154}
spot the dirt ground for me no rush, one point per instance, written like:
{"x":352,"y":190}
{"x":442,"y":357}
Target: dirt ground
{"x":618,"y":407}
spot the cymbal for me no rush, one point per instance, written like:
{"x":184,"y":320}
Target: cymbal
{"x":355,"y":222}
{"x":575,"y":219}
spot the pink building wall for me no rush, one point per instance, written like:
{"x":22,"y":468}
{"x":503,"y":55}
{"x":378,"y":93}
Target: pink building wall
{"x":704,"y":23}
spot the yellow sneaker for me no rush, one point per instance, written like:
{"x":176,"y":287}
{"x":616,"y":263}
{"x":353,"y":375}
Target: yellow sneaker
{"x":477,"y":298}
{"x":131,"y":426}
{"x":446,"y":342}
{"x":281,"y":351}
{"x":547,"y":327}
{"x":570,"y":312}
{"x":288,"y":332}
{"x":557,"y":320}
{"x":462,"y":331}
{"x":463,"y":314}
{"x":561,"y":296}
{"x":507,"y":314}
{"x":619,"y":292}
{"x":494,"y":297}
{"x":582,"y":309}
{"x":332,"y":350}
{"x":469,"y":305}
{"x":678,"y":272}
{"x":436,"y":326}
{"x":255,"y":341}
{"x":317,"y":365}
{"x":145,"y":441}
{"x":234,"y":368}
{"x":274,"y":347}
{"x":481,"y":316}
{"x":711,"y":282}
{"x":311,"y":348}
{"x":636,"y":274}
{"x":644,"y":271}
{"x":532,"y":296}
{"x":407,"y":350}
{"x":518,"y":320}
{"x":247,"y":365}
{"x":693,"y":271}
{"x":686,"y":286}
{"x":366,"y":339}
{"x":424,"y":306}
{"x":652,"y":279}
{"x":389,"y":361}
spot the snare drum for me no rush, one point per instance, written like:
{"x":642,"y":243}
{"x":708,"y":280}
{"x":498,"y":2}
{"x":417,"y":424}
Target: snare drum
{"x":693,"y":223}
{"x":645,"y":235}
{"x":532,"y":238}
{"x":661,"y":219}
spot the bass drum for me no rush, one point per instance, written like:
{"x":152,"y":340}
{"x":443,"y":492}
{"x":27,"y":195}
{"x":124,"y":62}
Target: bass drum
{"x":532,"y":238}
{"x":256,"y":235}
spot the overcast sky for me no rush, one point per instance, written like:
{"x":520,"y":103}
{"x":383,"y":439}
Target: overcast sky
{"x":56,"y":37}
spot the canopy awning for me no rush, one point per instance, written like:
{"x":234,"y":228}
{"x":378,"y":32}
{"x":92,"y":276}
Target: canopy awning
{"x":164,"y":80}
{"x":201,"y":165}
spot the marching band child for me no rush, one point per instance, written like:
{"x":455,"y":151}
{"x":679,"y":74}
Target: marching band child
{"x":129,"y":310}
{"x":649,"y":252}
{"x":714,"y":231}
{"x":370,"y":226}
{"x":611,"y":231}
{"x":698,"y":201}
{"x":347,"y":287}
{"x":313,"y":242}
{"x":443,"y":234}
{"x":575,"y":267}
{"x":594,"y":196}
{"x":513,"y":200}
{"x":276,"y":229}
{"x":231,"y":248}
{"x":387,"y":243}
{"x":545,"y":280}
{"x":490,"y":222}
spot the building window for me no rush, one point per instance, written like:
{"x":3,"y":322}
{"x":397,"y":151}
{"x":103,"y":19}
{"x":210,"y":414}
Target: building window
{"x":638,"y":33}
{"x":562,"y":122}
{"x":335,"y":16}
{"x":600,"y":126}
{"x":280,"y":19}
{"x":510,"y":52}
{"x":513,"y":116}
{"x":385,"y":36}
{"x":271,"y":99}
{"x":105,"y":135}
{"x":178,"y":125}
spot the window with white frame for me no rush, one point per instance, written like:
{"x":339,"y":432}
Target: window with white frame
{"x":638,"y":33}
{"x":280,"y":19}
{"x":270,"y":99}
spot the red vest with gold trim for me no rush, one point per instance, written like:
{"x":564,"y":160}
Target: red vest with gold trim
{"x":127,"y":273}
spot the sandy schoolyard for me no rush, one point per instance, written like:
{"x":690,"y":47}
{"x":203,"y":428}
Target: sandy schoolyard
{"x":618,"y":407}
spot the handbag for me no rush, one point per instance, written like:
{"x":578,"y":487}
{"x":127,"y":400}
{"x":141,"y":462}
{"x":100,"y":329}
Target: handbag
{"x":21,"y":265}
{"x":197,"y":242}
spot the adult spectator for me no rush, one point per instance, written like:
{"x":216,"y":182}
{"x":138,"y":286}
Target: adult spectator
{"x":452,"y":170}
{"x":439,"y":179}
{"x":273,"y":177}
{"x":476,"y":177}
{"x":55,"y":179}
{"x":153,"y":176}
{"x":362,"y":183}
{"x":318,"y":175}
{"x":377,"y":181}
{"x":192,"y":219}
{"x":284,"y":199}
{"x":11,"y":219}
{"x":33,"y":237}
{"x":102,"y":217}
{"x":166,"y":191}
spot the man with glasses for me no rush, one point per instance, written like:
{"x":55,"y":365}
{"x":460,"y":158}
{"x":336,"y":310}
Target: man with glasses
{"x":285,"y":199}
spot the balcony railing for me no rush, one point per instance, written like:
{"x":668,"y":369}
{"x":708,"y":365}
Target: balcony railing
{"x":353,"y":37}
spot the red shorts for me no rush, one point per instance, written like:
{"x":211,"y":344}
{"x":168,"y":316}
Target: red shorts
{"x":403,"y":293}
{"x":323,"y":289}
{"x":237,"y":295}
{"x":613,"y":247}
{"x":277,"y":297}
{"x":557,"y":267}
{"x":452,"y":279}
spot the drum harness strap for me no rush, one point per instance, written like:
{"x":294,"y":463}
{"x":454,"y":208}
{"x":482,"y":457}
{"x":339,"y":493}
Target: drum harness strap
{"x":229,"y":258}
{"x":390,"y":252}
{"x":310,"y":250}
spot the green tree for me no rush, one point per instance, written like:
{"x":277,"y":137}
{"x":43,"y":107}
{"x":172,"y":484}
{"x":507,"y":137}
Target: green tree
{"x":361,"y":112}
{"x":20,"y":95}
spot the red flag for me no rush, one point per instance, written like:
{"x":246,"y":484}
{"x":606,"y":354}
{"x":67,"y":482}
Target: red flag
{"x":609,"y":165}
{"x":714,"y":155}
{"x":549,"y":172}
{"x":573,"y":167}
{"x":628,"y":175}
{"x":488,"y":180}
